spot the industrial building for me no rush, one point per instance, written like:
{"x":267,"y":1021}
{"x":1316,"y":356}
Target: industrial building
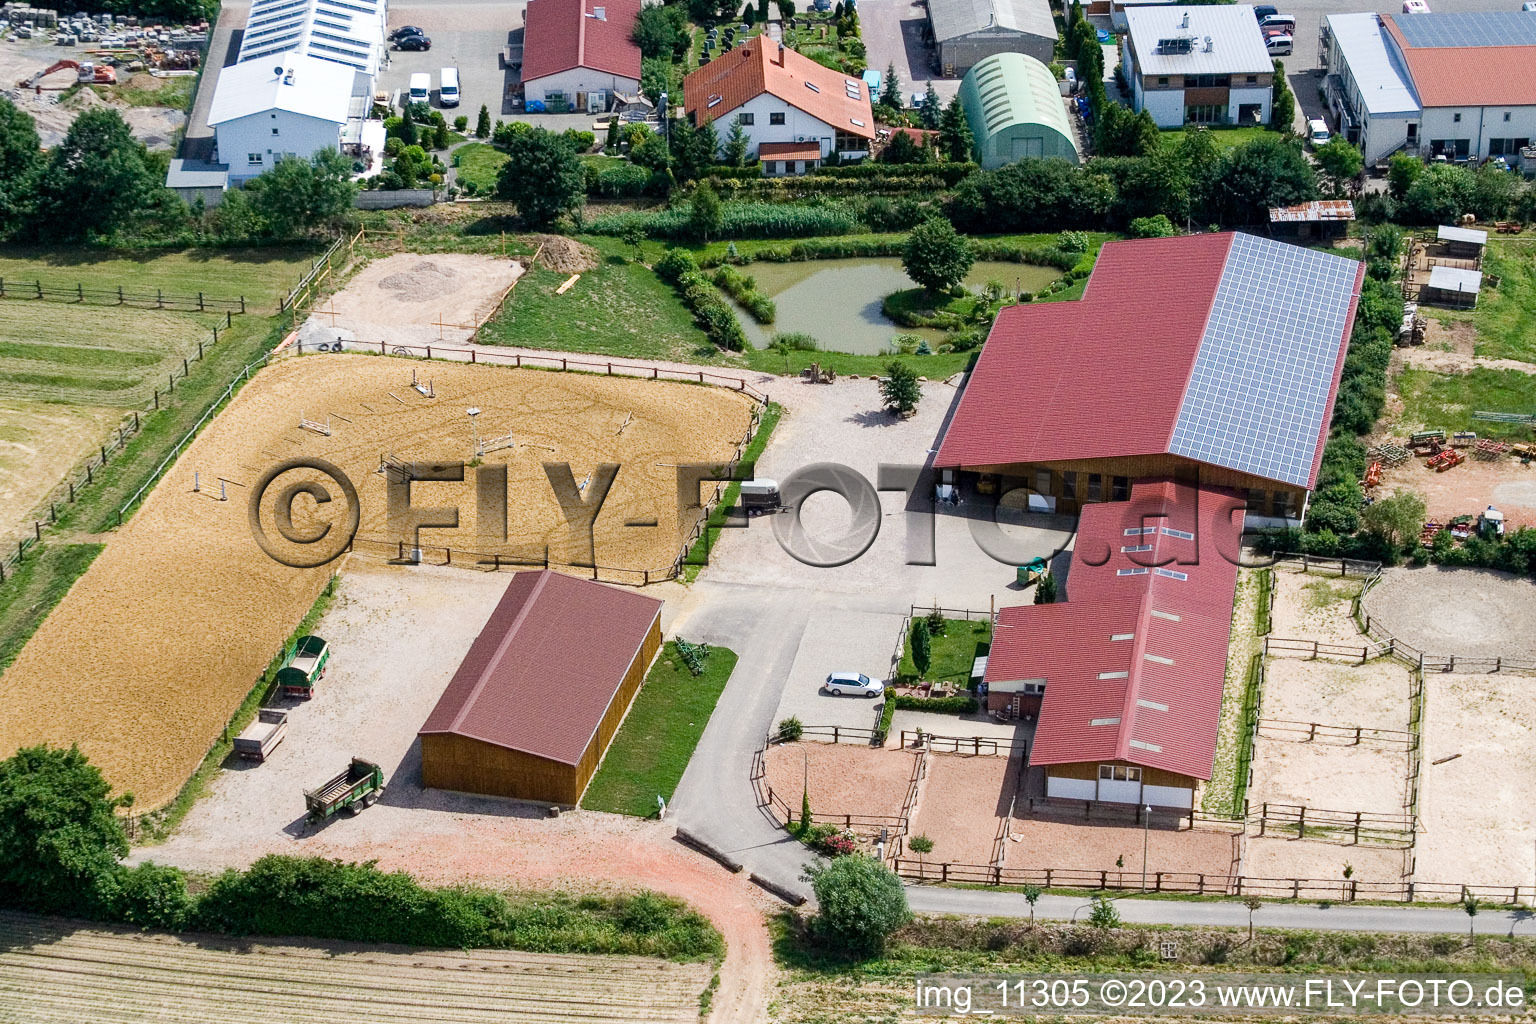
{"x":1205,"y":413}
{"x":1458,"y":86}
{"x":780,"y":97}
{"x":966,"y":32}
{"x":540,"y":695}
{"x":578,"y":55}
{"x":1197,"y":64}
{"x":1015,"y":110}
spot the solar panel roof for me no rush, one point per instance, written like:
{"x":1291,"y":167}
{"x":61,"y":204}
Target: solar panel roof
{"x":1469,"y":28}
{"x":1259,"y":390}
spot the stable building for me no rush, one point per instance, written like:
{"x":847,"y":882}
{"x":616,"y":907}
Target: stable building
{"x":1457,"y":86}
{"x":1015,"y":111}
{"x":1127,"y":674}
{"x":579,"y":55}
{"x":966,"y":32}
{"x":781,"y":98}
{"x":1221,"y":374}
{"x":540,"y":695}
{"x":1197,"y":64}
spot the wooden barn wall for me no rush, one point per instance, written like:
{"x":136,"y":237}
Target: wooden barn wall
{"x":614,"y":716}
{"x":1135,"y":468}
{"x":1149,"y":776}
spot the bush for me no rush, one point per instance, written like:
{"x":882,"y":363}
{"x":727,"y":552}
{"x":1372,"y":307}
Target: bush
{"x":1157,"y":226}
{"x":862,"y":902}
{"x":674,"y":264}
{"x":938,"y":705}
{"x":149,"y":896}
{"x":710,"y":312}
{"x":743,"y":289}
{"x":622,"y":181}
{"x":795,"y":341}
{"x":790,"y":729}
{"x":737,"y":220}
{"x":581,"y":141}
{"x":1072,"y":241}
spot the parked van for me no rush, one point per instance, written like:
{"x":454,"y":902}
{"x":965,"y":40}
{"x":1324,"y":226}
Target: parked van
{"x":448,"y":95}
{"x":1279,"y":45}
{"x":421,"y":87}
{"x":1415,"y":7}
{"x":1279,"y":23}
{"x":1317,"y":132}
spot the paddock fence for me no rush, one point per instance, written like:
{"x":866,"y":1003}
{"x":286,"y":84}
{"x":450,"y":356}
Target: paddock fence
{"x":79,"y":294}
{"x":1353,"y":828}
{"x":974,"y":746}
{"x":1333,"y":735}
{"x":318,"y":272}
{"x":1339,"y":890}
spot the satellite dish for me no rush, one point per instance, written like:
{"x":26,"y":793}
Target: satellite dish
{"x":278,"y":70}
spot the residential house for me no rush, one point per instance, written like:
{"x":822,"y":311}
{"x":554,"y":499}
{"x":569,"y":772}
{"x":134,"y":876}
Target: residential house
{"x":578,"y":54}
{"x":1197,"y":64}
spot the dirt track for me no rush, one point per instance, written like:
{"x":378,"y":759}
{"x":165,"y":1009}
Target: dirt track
{"x":147,"y":656}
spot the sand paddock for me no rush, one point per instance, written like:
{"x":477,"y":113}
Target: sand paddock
{"x":400,"y":299}
{"x":145,"y":659}
{"x":963,"y":803}
{"x":1374,"y":695}
{"x":844,"y":778}
{"x":1270,"y":857}
{"x":1311,"y":606}
{"x":1327,"y":774}
{"x":1478,"y":811}
{"x":1094,"y":846}
{"x":1475,"y":613}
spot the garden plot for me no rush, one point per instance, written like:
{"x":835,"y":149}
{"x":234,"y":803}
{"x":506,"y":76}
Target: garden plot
{"x":55,"y":972}
{"x":963,"y":803}
{"x":406,"y":299}
{"x":1309,"y":606}
{"x":147,"y":656}
{"x":1478,"y":807}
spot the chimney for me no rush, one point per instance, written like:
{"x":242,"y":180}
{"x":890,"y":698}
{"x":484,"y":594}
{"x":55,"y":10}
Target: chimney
{"x":781,"y":53}
{"x":1185,"y":22}
{"x":1209,"y":45}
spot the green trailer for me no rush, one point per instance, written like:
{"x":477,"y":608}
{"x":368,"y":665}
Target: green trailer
{"x":358,"y":787}
{"x":303,"y":667}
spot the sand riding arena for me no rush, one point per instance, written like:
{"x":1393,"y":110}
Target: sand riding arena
{"x":154,"y":648}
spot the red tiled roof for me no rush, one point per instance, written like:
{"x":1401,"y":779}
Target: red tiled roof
{"x":789,"y":151}
{"x":1469,"y":76}
{"x":1104,"y":653}
{"x":544,"y":670}
{"x":744,"y":72}
{"x":1092,"y":379}
{"x":559,"y":35}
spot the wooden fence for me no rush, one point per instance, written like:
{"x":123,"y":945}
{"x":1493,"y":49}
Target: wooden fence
{"x":435,"y":554}
{"x":1344,"y":567}
{"x":1337,"y":735}
{"x":1314,"y":649}
{"x":1354,"y":827}
{"x":79,"y":294}
{"x":1342,"y":890}
{"x":871,"y":826}
{"x":317,"y":273}
{"x":973,"y":745}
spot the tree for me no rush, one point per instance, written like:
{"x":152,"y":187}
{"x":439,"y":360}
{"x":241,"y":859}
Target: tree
{"x":1282,"y":102}
{"x":20,"y":162}
{"x":935,"y":256}
{"x":899,"y":388}
{"x":1121,"y":132}
{"x":1104,"y":914}
{"x":955,"y":133}
{"x":1032,"y":893}
{"x":1396,"y":520}
{"x":634,"y":237}
{"x":931,"y":112}
{"x":96,"y":181}
{"x":298,"y":196}
{"x":890,"y":90}
{"x":737,"y":145}
{"x":483,"y":123}
{"x":611,"y":141}
{"x":1157,"y":226}
{"x":441,"y":139}
{"x":920,"y":845}
{"x":704,"y":214}
{"x":1470,"y":906}
{"x":542,"y":176}
{"x":749,"y":16}
{"x":1340,"y":163}
{"x":60,"y":835}
{"x":1402,"y":171}
{"x":902,"y":150}
{"x":786,"y":9}
{"x":1253,"y":903}
{"x":693,"y":149}
{"x":862,"y":902}
{"x":1263,"y":173}
{"x":1440,"y":194}
{"x":661,"y":31}
{"x":922,"y":647}
{"x":1032,"y":195}
{"x":1045,"y":590}
{"x":407,"y":131}
{"x":655,"y":74}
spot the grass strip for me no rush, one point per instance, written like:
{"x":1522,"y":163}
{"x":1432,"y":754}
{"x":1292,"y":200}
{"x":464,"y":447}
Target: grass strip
{"x":652,"y":749}
{"x":698,"y":555}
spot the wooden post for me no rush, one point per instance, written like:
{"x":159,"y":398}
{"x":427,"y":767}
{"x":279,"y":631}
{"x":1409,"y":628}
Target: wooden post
{"x":37,"y":528}
{"x":200,"y":302}
{"x":79,"y":292}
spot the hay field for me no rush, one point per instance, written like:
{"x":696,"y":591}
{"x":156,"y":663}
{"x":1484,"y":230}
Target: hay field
{"x":39,"y":443}
{"x":157,"y":644}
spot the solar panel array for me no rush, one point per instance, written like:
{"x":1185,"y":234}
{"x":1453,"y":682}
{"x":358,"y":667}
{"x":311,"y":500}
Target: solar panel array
{"x":1469,"y":28}
{"x":1261,"y":381}
{"x":346,"y":32}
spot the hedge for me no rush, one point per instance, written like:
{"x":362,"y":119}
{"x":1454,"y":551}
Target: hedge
{"x":710,"y":312}
{"x":744,"y":290}
{"x":738,"y":220}
{"x":949,"y":174}
{"x":937,"y":705}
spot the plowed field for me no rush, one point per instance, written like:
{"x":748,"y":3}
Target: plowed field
{"x":52,"y":972}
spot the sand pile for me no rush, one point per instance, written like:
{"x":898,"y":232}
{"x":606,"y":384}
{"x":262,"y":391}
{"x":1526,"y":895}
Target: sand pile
{"x":565,"y":254}
{"x":425,"y":280}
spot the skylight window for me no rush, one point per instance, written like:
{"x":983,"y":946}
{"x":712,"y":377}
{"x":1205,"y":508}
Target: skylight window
{"x":1137,"y":547}
{"x":1131,"y":572}
{"x":1169,"y":531}
{"x":1137,"y":531}
{"x":1113,"y":675}
{"x":713,"y":100}
{"x":1172,"y":575}
{"x":1104,"y":721}
{"x":1168,"y":616}
{"x":1144,"y":745}
{"x":1158,"y":658}
{"x":856,"y":122}
{"x":1123,"y":636}
{"x":813,"y":87}
{"x":1151,"y":705}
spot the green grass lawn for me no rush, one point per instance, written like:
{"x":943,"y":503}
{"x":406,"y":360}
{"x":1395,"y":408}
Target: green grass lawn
{"x":1225,"y":138}
{"x":1447,"y":401}
{"x":952,"y":653}
{"x":261,"y":275}
{"x":654,"y":744}
{"x":1506,"y":315}
{"x":478,"y":164}
{"x":601,"y":162}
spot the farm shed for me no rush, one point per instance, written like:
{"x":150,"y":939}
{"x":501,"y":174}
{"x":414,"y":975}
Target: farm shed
{"x":1015,"y":111}
{"x":1462,"y":243}
{"x":1452,"y":286}
{"x":966,"y":32}
{"x":1322,"y":219}
{"x":539,"y":696}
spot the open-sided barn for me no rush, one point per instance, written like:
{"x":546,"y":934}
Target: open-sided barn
{"x":539,"y":696}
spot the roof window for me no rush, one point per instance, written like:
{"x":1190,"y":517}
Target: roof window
{"x":1113,"y":675}
{"x":1144,"y":745}
{"x":813,"y":87}
{"x":1151,"y":705}
{"x":1137,"y":531}
{"x":1158,"y":658}
{"x":1104,"y":721}
{"x":1137,"y":547}
{"x":1172,"y":575}
{"x":856,"y":122}
{"x":712,"y":101}
{"x":1167,"y":616}
{"x":1123,"y":636}
{"x":1141,"y":571}
{"x":1169,"y":531}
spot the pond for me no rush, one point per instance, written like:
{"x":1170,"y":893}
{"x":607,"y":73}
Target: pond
{"x":837,"y":302}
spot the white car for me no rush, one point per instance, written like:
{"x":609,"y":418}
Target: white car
{"x":857,"y":683}
{"x":1317,"y":133}
{"x":1415,"y":7}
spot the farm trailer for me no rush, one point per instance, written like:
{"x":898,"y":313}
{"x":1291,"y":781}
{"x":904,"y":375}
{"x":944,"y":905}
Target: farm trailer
{"x":358,"y":787}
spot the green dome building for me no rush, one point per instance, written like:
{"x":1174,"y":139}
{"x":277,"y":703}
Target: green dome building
{"x":1016,"y":110}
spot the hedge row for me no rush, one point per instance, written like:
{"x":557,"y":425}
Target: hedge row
{"x":709,"y":310}
{"x":938,"y":705}
{"x":949,"y":174}
{"x":786,"y":188}
{"x":743,"y":289}
{"x":737,"y":220}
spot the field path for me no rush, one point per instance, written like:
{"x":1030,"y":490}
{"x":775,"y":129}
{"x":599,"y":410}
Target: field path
{"x":51,"y":970}
{"x":580,"y":851}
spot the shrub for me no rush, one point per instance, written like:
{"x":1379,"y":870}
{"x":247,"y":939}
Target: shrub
{"x":581,"y":141}
{"x":674,"y":264}
{"x":922,"y":646}
{"x":743,"y":289}
{"x":862,"y":902}
{"x":790,"y":729}
{"x":1157,"y":226}
{"x":795,"y":341}
{"x":1072,"y":241}
{"x":622,"y":181}
{"x":149,"y":896}
{"x":710,"y":312}
{"x":460,"y":123}
{"x":737,"y":220}
{"x":938,"y":705}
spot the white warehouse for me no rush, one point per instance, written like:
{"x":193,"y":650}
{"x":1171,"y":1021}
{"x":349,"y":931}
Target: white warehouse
{"x":286,"y":105}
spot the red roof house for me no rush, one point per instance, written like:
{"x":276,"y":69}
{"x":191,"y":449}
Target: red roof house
{"x":578,"y":53}
{"x":541,"y":692}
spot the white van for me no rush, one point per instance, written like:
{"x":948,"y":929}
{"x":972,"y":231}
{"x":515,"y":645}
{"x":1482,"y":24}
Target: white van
{"x":448,"y":95}
{"x":421,"y":87}
{"x":1317,"y":132}
{"x":1415,"y":7}
{"x":1277,"y":23}
{"x":1280,"y":45}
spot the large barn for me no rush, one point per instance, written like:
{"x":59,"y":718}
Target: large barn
{"x":1210,"y":359}
{"x":539,"y":696}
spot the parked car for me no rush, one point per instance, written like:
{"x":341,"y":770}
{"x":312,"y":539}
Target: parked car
{"x":1280,"y":44}
{"x":856,"y":683}
{"x":1317,"y":133}
{"x":1262,"y":11}
{"x":403,"y":31}
{"x":1415,"y":7}
{"x":1528,"y":6}
{"x":1279,"y":23}
{"x":413,"y":43}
